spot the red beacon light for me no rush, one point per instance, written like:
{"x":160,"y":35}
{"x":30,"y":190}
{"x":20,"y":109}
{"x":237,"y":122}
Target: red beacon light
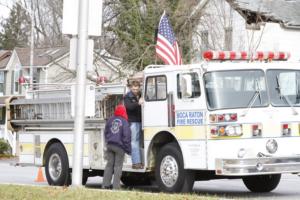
{"x":243,"y":55}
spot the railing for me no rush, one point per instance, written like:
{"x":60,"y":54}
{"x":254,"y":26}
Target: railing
{"x":46,"y":86}
{"x":12,"y":140}
{"x":43,"y":90}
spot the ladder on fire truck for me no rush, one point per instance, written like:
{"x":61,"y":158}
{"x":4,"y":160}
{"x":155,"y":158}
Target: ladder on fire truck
{"x":53,"y":103}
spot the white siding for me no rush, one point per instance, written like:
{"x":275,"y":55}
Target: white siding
{"x":275,"y":38}
{"x":218,"y":16}
{"x":57,"y":74}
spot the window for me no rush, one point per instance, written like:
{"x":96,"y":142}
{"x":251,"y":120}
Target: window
{"x":236,"y":89}
{"x":2,"y":115}
{"x":156,"y":88}
{"x":188,"y":85}
{"x":228,"y":39}
{"x":204,"y":40}
{"x":2,"y":82}
{"x":16,"y":81}
{"x":284,"y":87}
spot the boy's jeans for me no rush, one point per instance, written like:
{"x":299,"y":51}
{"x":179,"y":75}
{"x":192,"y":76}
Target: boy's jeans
{"x":135,"y":128}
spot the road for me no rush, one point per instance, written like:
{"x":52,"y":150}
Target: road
{"x":287,"y":189}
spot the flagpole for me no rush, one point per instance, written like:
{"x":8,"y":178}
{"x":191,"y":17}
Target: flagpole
{"x":162,"y":17}
{"x":157,"y":33}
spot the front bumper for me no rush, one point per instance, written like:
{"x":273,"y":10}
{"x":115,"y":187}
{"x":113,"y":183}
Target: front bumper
{"x":257,"y":166}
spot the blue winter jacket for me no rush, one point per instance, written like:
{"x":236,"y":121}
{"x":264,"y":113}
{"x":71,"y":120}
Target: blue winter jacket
{"x":117,"y":132}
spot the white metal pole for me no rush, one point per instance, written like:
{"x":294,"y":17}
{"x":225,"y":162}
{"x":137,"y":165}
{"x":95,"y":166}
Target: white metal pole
{"x":80,"y":93}
{"x":31,"y":46}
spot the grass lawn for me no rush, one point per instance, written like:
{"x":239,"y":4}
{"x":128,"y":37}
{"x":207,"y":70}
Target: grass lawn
{"x":9,"y":192}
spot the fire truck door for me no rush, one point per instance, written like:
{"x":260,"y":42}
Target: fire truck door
{"x":155,"y":108}
{"x":190,"y":104}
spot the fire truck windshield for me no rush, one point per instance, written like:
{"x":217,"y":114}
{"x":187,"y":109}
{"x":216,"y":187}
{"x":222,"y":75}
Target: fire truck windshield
{"x":284,"y":87}
{"x":236,"y":89}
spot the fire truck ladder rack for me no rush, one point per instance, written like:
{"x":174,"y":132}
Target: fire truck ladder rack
{"x":53,"y":104}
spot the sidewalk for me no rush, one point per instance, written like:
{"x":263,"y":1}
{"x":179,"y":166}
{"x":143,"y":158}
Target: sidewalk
{"x":12,"y":160}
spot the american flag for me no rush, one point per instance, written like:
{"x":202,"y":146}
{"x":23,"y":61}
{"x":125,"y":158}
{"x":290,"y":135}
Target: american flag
{"x":166,"y":44}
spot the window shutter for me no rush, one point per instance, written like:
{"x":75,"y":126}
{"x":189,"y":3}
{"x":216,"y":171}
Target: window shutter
{"x":5,"y":79}
{"x":20,"y":86}
{"x":12,"y":82}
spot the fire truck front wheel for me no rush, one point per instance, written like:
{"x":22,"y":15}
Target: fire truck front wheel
{"x":170,"y":174}
{"x":57,"y":165}
{"x":262,"y":183}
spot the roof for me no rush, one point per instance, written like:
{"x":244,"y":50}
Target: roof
{"x":4,"y":58}
{"x":42,"y":56}
{"x":109,"y":60}
{"x":285,"y":12}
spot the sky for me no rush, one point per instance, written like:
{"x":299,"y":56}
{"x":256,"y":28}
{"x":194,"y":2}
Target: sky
{"x":4,"y":11}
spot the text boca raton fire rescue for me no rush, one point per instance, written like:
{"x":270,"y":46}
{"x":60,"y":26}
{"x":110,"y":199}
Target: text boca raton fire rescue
{"x":235,"y":119}
{"x":189,"y":118}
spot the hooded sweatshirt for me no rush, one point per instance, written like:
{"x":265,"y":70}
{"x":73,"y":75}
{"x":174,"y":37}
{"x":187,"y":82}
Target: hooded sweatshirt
{"x":133,"y":107}
{"x":117,"y":131}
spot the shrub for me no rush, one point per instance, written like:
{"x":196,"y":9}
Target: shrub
{"x":4,"y":147}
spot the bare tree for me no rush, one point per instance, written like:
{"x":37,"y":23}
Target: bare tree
{"x":47,"y":22}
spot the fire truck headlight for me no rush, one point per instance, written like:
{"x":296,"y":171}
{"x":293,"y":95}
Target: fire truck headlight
{"x":233,"y":130}
{"x":271,"y":146}
{"x":230,"y":131}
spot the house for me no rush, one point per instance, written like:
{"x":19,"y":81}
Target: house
{"x":42,"y":58}
{"x":104,"y":65}
{"x":51,"y":65}
{"x":250,"y":25}
{"x":4,"y":59}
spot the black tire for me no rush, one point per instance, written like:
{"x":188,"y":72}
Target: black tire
{"x":57,"y":150}
{"x":262,"y":183}
{"x":135,"y":179}
{"x":84,"y":179}
{"x":185,"y":178}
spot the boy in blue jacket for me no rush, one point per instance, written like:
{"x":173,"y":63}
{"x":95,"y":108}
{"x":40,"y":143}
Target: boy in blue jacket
{"x":118,"y":142}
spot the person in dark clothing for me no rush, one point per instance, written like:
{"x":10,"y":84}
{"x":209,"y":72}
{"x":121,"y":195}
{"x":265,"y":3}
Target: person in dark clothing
{"x":133,"y":102}
{"x":118,"y":142}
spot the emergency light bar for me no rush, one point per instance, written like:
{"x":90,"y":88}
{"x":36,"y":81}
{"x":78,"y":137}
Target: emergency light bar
{"x":243,"y":55}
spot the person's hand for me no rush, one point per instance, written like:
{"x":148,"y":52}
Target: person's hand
{"x":141,"y":101}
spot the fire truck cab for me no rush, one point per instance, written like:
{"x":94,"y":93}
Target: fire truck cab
{"x":203,"y":121}
{"x":226,"y":119}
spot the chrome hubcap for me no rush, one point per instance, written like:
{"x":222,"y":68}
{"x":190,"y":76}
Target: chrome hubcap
{"x":55,"y":166}
{"x":169,"y":171}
